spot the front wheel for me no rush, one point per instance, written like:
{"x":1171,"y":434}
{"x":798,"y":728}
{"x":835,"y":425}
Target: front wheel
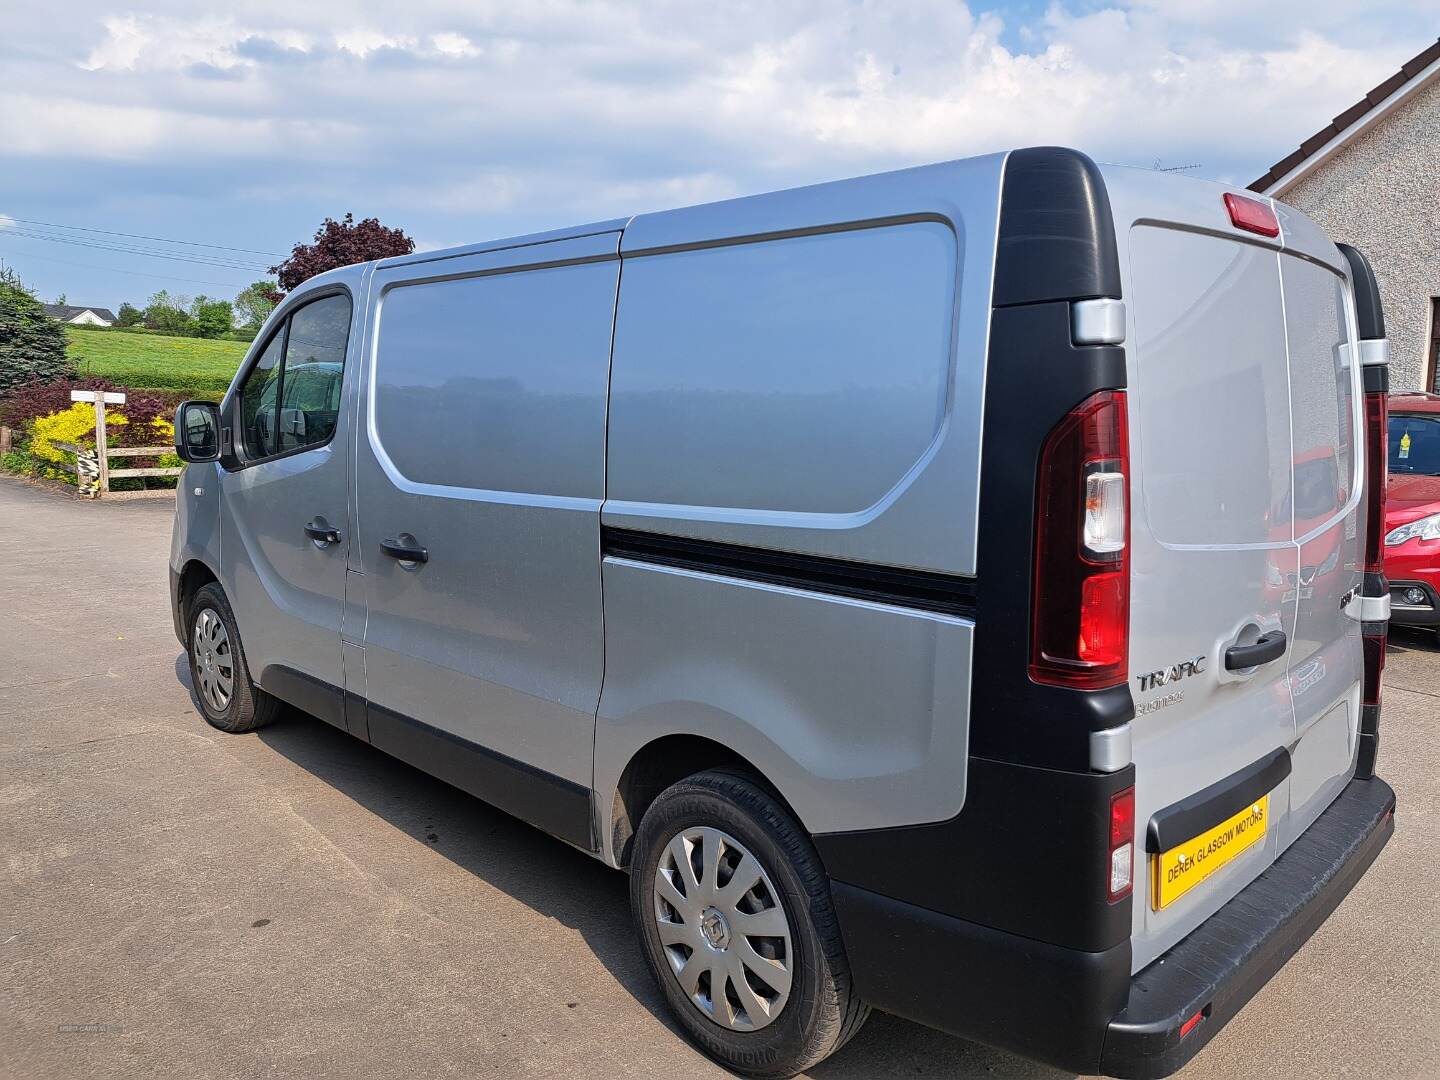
{"x":733,"y":911}
{"x":221,"y":681}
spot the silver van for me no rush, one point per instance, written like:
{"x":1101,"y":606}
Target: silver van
{"x":954,"y":592}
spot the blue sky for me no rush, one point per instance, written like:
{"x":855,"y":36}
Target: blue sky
{"x":461,"y":120}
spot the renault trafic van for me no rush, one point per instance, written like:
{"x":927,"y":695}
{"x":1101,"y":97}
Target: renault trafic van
{"x":954,"y":592}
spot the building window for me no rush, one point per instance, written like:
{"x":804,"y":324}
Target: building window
{"x":1432,"y":348}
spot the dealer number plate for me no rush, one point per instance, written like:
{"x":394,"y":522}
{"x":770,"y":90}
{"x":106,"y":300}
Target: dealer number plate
{"x":1177,"y":871}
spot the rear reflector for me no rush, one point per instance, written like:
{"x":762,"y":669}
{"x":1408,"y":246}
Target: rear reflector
{"x":1374,"y":653}
{"x":1122,"y":844}
{"x":1080,"y":597}
{"x":1252,"y":215}
{"x":1191,"y":1024}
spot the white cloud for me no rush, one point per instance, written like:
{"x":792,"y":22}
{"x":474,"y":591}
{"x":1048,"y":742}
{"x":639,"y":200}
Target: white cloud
{"x":522,"y":112}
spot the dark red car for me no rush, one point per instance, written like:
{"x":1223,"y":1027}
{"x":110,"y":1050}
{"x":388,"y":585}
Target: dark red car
{"x":1412,"y":515}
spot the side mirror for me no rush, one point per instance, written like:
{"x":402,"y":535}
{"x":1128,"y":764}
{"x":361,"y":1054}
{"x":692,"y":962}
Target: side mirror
{"x":197,"y":431}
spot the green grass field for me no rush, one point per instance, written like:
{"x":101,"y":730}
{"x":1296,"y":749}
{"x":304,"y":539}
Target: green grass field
{"x":154,"y":362}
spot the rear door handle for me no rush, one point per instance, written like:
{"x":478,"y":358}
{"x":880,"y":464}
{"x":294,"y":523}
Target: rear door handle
{"x":1267,"y":647}
{"x":321,"y":534}
{"x":404,"y":548}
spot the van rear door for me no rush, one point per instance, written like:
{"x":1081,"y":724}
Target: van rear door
{"x":1244,"y":421}
{"x":1214,"y":562}
{"x":1326,"y":656}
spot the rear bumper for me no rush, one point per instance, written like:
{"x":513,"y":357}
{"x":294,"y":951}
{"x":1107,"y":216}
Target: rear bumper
{"x":1084,"y":1011}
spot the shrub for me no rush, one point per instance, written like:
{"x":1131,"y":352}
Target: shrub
{"x":128,"y":316}
{"x":32,"y":345}
{"x":24,"y":403}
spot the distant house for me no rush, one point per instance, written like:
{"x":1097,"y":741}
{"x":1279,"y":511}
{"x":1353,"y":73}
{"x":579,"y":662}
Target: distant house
{"x":1370,"y":178}
{"x":80,"y":316}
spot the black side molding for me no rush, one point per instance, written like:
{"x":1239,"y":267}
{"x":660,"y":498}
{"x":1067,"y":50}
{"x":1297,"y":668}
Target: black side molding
{"x":895,"y":585}
{"x":306,"y":693}
{"x":1210,"y":806}
{"x":1057,"y":235}
{"x":1369,"y":315}
{"x":549,"y":802}
{"x":559,"y":806}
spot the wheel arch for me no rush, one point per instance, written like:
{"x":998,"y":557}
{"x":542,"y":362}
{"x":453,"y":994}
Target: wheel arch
{"x":658,"y":764}
{"x":193,"y":577}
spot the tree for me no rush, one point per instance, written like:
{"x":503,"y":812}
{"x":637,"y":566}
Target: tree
{"x":167,"y":314}
{"x":211,"y":318}
{"x":341,"y":243}
{"x":32,"y":345}
{"x":254,"y":303}
{"x":128,"y":315}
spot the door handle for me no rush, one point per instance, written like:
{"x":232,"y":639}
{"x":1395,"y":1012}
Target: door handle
{"x":321,"y":534}
{"x":405,"y":548}
{"x":1267,"y":647}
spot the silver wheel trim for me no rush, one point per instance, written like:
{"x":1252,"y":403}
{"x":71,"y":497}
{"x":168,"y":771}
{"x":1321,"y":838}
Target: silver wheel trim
{"x":212,"y":659}
{"x":723,"y":929}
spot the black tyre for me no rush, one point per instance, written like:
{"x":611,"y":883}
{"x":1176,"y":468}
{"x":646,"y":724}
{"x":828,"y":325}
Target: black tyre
{"x":218,"y":675}
{"x":733,"y":912}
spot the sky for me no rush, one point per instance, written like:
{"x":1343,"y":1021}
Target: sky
{"x":465,"y":120}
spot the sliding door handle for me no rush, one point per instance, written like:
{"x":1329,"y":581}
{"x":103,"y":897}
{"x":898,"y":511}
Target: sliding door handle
{"x":1267,"y":647}
{"x":405,"y":549}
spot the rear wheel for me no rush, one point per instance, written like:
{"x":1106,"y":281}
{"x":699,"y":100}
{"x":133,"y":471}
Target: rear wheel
{"x":218,"y":675}
{"x":733,"y":911}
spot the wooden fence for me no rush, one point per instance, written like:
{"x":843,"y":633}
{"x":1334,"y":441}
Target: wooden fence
{"x":92,"y":468}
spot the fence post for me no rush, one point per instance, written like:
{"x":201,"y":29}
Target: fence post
{"x":100,"y":398}
{"x":102,"y":458}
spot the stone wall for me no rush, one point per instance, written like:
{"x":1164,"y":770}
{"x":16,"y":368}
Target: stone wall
{"x":1382,"y":194}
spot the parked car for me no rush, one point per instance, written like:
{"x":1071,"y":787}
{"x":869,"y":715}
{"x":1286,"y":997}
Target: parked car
{"x":1412,"y":513}
{"x":942,"y":591}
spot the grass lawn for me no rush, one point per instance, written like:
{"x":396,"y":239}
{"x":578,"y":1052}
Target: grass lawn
{"x":152,"y":361}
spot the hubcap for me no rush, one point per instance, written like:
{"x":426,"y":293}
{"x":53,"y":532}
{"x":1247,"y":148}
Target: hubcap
{"x":723,"y":929}
{"x":212,"y":660}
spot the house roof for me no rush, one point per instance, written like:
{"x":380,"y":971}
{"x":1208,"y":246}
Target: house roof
{"x":66,"y":312}
{"x":1415,"y":73}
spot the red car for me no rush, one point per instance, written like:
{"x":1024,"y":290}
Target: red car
{"x":1412,"y":514}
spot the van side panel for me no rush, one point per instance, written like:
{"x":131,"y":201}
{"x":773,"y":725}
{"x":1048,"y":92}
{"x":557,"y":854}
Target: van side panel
{"x":804,"y":371}
{"x":799,"y":377}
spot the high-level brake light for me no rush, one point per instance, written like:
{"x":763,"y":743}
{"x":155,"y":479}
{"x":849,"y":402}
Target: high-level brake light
{"x":1252,"y":215}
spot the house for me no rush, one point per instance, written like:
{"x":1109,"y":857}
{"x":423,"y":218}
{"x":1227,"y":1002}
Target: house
{"x":1370,"y":178}
{"x":80,"y":316}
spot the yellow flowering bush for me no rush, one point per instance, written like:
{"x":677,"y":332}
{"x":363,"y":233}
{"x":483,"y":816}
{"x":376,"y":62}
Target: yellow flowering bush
{"x":73,"y":425}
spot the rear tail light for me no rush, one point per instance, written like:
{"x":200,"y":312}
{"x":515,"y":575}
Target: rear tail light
{"x":1080,"y":616}
{"x":1122,"y":844}
{"x":1252,"y":215}
{"x":1377,"y":418}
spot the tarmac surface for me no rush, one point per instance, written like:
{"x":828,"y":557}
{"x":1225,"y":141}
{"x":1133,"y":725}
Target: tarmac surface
{"x":180,"y":903}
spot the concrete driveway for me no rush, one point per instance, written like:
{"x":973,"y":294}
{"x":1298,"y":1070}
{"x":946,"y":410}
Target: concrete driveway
{"x":175,"y":902}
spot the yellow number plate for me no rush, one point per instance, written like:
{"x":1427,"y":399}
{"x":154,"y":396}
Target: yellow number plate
{"x":1180,"y":869}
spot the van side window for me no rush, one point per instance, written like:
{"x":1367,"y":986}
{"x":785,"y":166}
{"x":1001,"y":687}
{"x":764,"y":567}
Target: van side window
{"x":314,"y":365}
{"x":301,"y":369}
{"x":257,"y":401}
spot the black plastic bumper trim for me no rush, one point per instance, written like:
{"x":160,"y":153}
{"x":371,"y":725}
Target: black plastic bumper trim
{"x":1083,"y":1010}
{"x":1210,"y":806}
{"x":1231,"y":955}
{"x":1043,"y":1001}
